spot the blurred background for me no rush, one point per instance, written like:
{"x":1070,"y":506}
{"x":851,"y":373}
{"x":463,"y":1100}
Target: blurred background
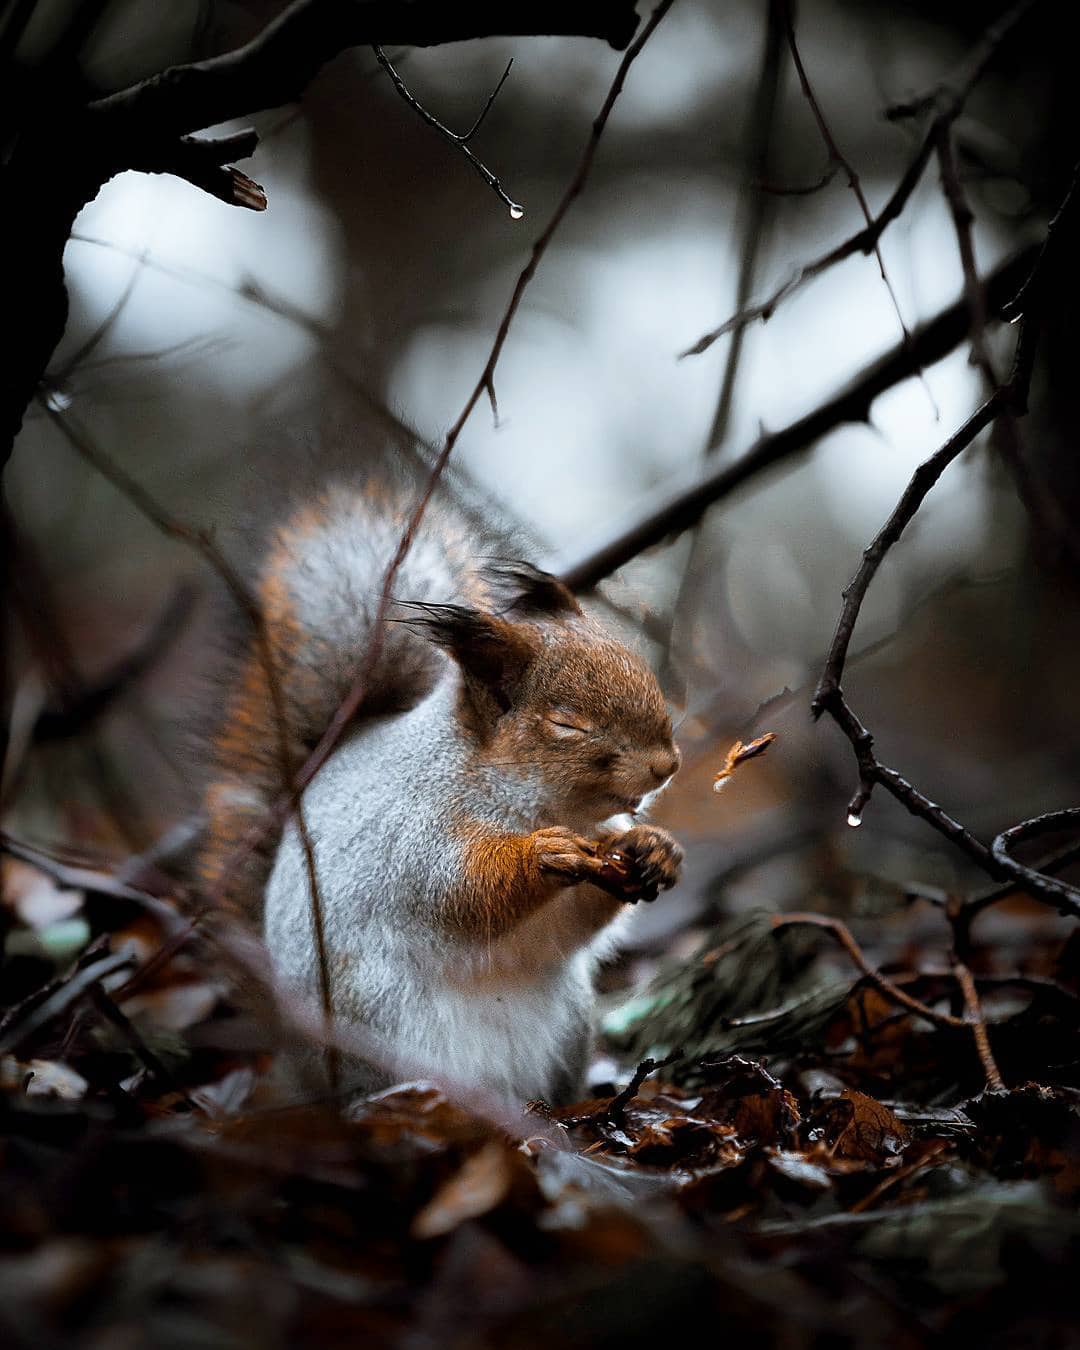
{"x":216,"y":354}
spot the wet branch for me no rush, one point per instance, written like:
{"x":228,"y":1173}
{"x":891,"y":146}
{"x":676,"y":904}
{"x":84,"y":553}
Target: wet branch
{"x":1010,"y":399}
{"x":64,"y":154}
{"x":460,"y":142}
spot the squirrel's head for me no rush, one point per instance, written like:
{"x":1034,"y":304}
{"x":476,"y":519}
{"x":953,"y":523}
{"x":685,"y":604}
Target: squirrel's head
{"x":550,"y":696}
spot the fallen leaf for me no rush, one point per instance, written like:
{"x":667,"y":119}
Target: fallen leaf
{"x":481,"y":1183}
{"x":871,"y":1133}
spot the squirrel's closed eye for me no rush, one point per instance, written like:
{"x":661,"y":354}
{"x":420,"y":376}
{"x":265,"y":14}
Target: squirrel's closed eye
{"x":566,"y":724}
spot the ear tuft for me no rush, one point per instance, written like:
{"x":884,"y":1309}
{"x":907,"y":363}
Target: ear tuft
{"x":533,"y":593}
{"x":492,"y":653}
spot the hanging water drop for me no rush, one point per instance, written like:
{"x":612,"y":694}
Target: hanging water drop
{"x":516,"y":212}
{"x":56,"y":400}
{"x":854,"y":819}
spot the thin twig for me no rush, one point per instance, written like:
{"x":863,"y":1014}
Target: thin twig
{"x":837,"y":156}
{"x":801,"y":189}
{"x":828,"y":697}
{"x":970,"y":70}
{"x":864,"y":241}
{"x":965,"y":912}
{"x":1046,"y":512}
{"x":930,"y":343}
{"x":949,"y":103}
{"x":203,"y":543}
{"x":923,"y":479}
{"x":460,"y":142}
{"x":994,"y":1081}
{"x":1008,"y":398}
{"x":58,"y":1001}
{"x":128,"y":1030}
{"x":893,"y":992}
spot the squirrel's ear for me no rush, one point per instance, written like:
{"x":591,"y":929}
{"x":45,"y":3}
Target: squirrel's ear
{"x":533,"y":593}
{"x":490,"y":651}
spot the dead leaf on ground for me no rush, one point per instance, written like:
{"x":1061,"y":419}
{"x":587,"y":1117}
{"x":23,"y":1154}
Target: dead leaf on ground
{"x":481,"y":1184}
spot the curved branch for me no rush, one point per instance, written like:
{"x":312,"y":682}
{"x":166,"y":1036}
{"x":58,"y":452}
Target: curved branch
{"x":1051,"y":888}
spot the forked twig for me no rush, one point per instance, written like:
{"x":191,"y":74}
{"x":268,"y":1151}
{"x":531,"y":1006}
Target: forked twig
{"x":1010,"y":398}
{"x":948,"y":103}
{"x":842,"y":934}
{"x":461,"y":142}
{"x":837,"y":157}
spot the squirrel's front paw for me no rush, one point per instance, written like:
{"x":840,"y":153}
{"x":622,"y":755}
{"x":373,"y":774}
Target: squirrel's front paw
{"x":557,"y":849}
{"x":649,"y":858}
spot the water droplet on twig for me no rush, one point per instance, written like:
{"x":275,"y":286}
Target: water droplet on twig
{"x":516,"y":212}
{"x":854,"y":819}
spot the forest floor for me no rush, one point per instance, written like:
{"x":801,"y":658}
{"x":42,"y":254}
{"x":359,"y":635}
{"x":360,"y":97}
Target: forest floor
{"x":817,"y":1164}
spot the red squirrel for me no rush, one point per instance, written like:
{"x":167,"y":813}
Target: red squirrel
{"x":463,"y":822}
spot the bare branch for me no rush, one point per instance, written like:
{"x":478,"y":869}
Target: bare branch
{"x":892,"y":992}
{"x":461,"y":142}
{"x":929,"y":343}
{"x":277,"y":66}
{"x":949,"y":103}
{"x":923,"y":479}
{"x":837,"y":156}
{"x":1010,"y":398}
{"x":1060,"y":892}
{"x":865,"y":241}
{"x":61,"y":160}
{"x":957,"y":86}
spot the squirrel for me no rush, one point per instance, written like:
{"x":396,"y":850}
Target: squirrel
{"x":471,"y":865}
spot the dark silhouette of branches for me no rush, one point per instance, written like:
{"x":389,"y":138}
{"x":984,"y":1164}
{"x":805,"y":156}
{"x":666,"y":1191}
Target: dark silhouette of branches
{"x":973,"y":1021}
{"x":964,"y":78}
{"x":461,"y":142}
{"x":839,"y":159}
{"x":1067,"y":897}
{"x":65,"y":153}
{"x":929,"y":343}
{"x":948,"y":103}
{"x":1009,"y":399}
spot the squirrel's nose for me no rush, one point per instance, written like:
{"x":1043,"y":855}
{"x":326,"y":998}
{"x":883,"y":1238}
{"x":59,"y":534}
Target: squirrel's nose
{"x":663,"y":766}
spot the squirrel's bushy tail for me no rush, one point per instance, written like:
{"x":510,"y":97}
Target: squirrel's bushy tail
{"x":318,"y":591}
